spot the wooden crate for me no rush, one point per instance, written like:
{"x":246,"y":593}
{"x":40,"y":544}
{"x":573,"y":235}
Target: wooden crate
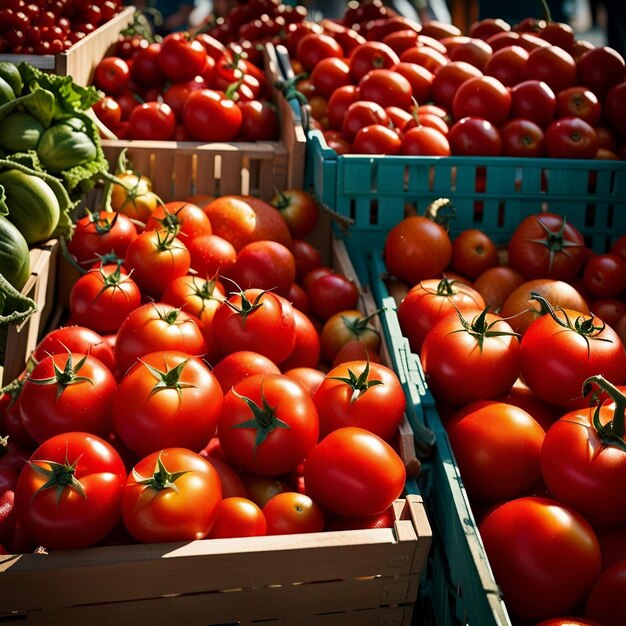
{"x":81,"y":59}
{"x":180,"y":169}
{"x":40,"y":286}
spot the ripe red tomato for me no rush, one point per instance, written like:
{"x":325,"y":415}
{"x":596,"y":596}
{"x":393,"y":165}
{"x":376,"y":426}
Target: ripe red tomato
{"x":187,"y":218}
{"x":167,"y":398}
{"x":180,"y":57}
{"x":533,"y":100}
{"x":237,"y":366}
{"x":361,"y":114}
{"x":578,"y":101}
{"x":369,"y":56}
{"x":553,"y":65}
{"x":472,"y":50}
{"x":522,"y":138}
{"x":330,"y":74}
{"x":604,"y":276}
{"x":330,"y":293}
{"x":354,"y":461}
{"x":571,"y":138}
{"x":176,"y":94}
{"x":376,"y":139}
{"x":483,"y":96}
{"x":571,"y":346}
{"x":472,"y":136}
{"x":530,"y":543}
{"x":481,"y":343}
{"x":162,"y":493}
{"x":291,"y":512}
{"x":109,"y":112}
{"x":546,"y":245}
{"x":338,"y":104}
{"x":473,"y":252}
{"x":507,"y":65}
{"x":417,"y":248}
{"x":259,"y":121}
{"x":605,"y":602}
{"x":363,"y":394}
{"x":211,"y":255}
{"x":208,"y":115}
{"x":613,"y":109}
{"x":600,"y":68}
{"x":425,"y":141}
{"x":449,"y":78}
{"x":307,"y":348}
{"x":268,"y":424}
{"x":497,"y":447}
{"x":314,"y":47}
{"x":426,"y":57}
{"x":153,"y":121}
{"x":112,"y":75}
{"x":419,"y":77}
{"x":238,"y":517}
{"x":298,"y":208}
{"x":488,"y":27}
{"x":387,"y":87}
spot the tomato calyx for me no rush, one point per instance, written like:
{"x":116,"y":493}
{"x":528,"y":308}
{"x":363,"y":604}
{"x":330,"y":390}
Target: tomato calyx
{"x":290,"y":89}
{"x":64,"y":377}
{"x":480,"y":329}
{"x":264,"y":419}
{"x":582,"y":325}
{"x":246,"y":307}
{"x":360,"y":384}
{"x":60,"y":476}
{"x":170,"y":222}
{"x":445,"y":287}
{"x":611,"y":433}
{"x":359,"y":325}
{"x":165,"y":238}
{"x":169,"y":379}
{"x":555,"y":242}
{"x":161,"y":477}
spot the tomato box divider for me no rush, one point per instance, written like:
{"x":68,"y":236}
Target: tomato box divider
{"x":81,"y":59}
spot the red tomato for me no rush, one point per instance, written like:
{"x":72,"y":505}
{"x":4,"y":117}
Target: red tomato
{"x":376,"y":139}
{"x":546,"y":245}
{"x":330,"y":293}
{"x":564,"y":347}
{"x":167,"y":398}
{"x":268,"y":424}
{"x":259,"y":121}
{"x":187,"y":218}
{"x":237,"y":366}
{"x":488,"y":27}
{"x":196,"y":296}
{"x":152,"y":120}
{"x":429,"y":301}
{"x":208,"y":115}
{"x":108,"y":111}
{"x":298,"y":208}
{"x":307,"y":348}
{"x":424,"y":140}
{"x":386,"y":87}
{"x":578,"y":101}
{"x":238,"y":517}
{"x":473,"y":253}
{"x":472,"y":50}
{"x":112,"y":75}
{"x":530,"y":543}
{"x":449,"y":78}
{"x":255,"y":320}
{"x":600,"y":68}
{"x":354,"y":461}
{"x":472,"y":136}
{"x":522,"y":138}
{"x":604,"y":276}
{"x":73,"y":498}
{"x":507,"y":65}
{"x":338,"y":104}
{"x":362,"y":394}
{"x":361,"y":114}
{"x":571,"y":138}
{"x":605,"y":603}
{"x":162,"y":494}
{"x":497,"y":448}
{"x":533,"y":100}
{"x":180,"y":57}
{"x":471,"y":357}
{"x":176,"y":94}
{"x":371,"y":55}
{"x":211,"y":255}
{"x":426,"y":57}
{"x":553,"y":65}
{"x":613,"y":109}
{"x":330,"y":74}
{"x":420,"y":79}
{"x":417,"y":248}
{"x":314,"y":47}
{"x":291,"y":512}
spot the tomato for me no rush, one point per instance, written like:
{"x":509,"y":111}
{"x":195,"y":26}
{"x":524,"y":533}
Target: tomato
{"x":188,"y":219}
{"x":386,"y":87}
{"x":329,"y":74}
{"x":600,"y":69}
{"x":552,"y":65}
{"x":420,"y":79}
{"x":357,"y":462}
{"x":176,"y":94}
{"x":571,"y":347}
{"x":112,"y":75}
{"x":180,"y":57}
{"x":196,"y":296}
{"x":533,"y":100}
{"x":488,"y":27}
{"x":424,"y":140}
{"x":425,"y":56}
{"x":522,"y":138}
{"x":546,"y":245}
{"x":307,"y":347}
{"x":232,"y":485}
{"x":108,"y":111}
{"x":604,"y":276}
{"x":473,"y":252}
{"x":485,"y":97}
{"x":331,"y":293}
{"x":133,"y":195}
{"x":145,"y":69}
{"x":208,"y":115}
{"x":167,"y":398}
{"x":238,"y":517}
{"x":237,"y":366}
{"x":571,"y":138}
{"x":152,"y":120}
{"x":157,"y":326}
{"x":256,"y":320}
{"x":449,"y":78}
{"x":156,"y":257}
{"x":531,"y":544}
{"x":429,"y":301}
{"x":507,"y":65}
{"x":314,"y":47}
{"x":361,"y":114}
{"x":578,"y":101}
{"x":242,"y":219}
{"x":362,"y":394}
{"x":73,"y":498}
{"x":259,"y":121}
{"x":496,"y":284}
{"x":78,"y":339}
{"x":345,"y":326}
{"x":613,"y":109}
{"x":417,"y":248}
{"x":162,"y":495}
{"x":472,"y":50}
{"x":291,"y":512}
{"x":67,"y":392}
{"x":497,"y":447}
{"x":298,"y":208}
{"x":371,"y":55}
{"x":471,"y":136}
{"x":605,"y":602}
{"x":376,"y":139}
{"x":338,"y":104}
{"x":211,"y":255}
{"x":99,"y":233}
{"x":268,"y":424}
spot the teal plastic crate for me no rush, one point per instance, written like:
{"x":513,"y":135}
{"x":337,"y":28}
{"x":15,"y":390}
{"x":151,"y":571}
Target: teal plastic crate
{"x":457,"y":587}
{"x":373,"y":193}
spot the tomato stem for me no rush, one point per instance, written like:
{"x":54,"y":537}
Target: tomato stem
{"x":64,"y":377}
{"x":611,"y":433}
{"x":161,"y":477}
{"x":360,"y":384}
{"x":59,"y":475}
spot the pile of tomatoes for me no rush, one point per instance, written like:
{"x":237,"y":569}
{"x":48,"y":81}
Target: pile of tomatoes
{"x":213,"y":379}
{"x":184,"y":88}
{"x":379,"y":83}
{"x":523,"y":349}
{"x":50,"y":26}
